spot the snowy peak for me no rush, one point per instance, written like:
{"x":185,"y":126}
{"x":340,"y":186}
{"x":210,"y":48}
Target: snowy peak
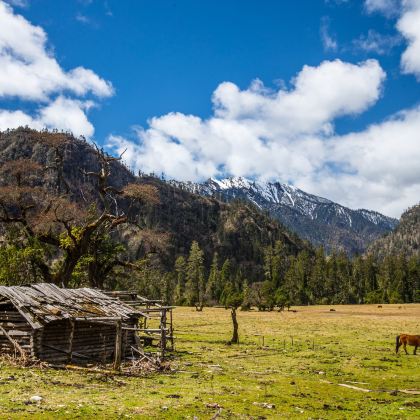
{"x":273,"y":192}
{"x":317,"y":219}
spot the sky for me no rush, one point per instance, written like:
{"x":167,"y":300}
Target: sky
{"x":320,"y":94}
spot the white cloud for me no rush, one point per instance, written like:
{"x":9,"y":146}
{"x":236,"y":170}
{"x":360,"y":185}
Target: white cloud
{"x":68,"y":115}
{"x":388,"y":8}
{"x":288,"y":135}
{"x":13,"y":119}
{"x":375,"y":42}
{"x":409,"y":26}
{"x":18,"y":3}
{"x":379,"y":166}
{"x":328,"y":41}
{"x":82,"y":18}
{"x":62,"y":114}
{"x":29,"y":71}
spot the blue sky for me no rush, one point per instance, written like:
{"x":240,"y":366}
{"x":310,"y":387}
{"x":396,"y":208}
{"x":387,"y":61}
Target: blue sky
{"x":151,"y":69}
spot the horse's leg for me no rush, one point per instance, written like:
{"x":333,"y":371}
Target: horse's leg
{"x":415,"y":350}
{"x":405,"y":348}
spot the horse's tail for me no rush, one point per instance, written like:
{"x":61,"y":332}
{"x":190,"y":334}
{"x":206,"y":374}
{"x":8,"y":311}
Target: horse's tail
{"x":397,"y":344}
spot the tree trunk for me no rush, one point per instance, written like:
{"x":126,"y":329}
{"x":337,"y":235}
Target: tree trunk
{"x":45,"y":270}
{"x":235,"y":336}
{"x":63,"y":276}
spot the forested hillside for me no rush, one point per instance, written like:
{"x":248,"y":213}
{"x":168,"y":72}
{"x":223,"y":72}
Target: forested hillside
{"x":405,"y":239}
{"x":54,"y":185}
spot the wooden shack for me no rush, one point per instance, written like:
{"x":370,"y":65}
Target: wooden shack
{"x":66,"y":325}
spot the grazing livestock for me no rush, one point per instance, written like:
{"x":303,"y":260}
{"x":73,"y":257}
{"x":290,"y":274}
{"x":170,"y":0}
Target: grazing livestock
{"x":411,"y":340}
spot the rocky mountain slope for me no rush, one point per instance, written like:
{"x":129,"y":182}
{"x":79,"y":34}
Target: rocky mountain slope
{"x":238,"y":231}
{"x":404,"y":239}
{"x":316,"y":219}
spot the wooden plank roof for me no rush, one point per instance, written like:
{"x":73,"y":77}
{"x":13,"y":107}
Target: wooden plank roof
{"x":42,"y":303}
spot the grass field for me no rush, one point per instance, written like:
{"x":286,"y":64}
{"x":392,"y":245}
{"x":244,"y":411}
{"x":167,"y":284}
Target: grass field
{"x":266,"y":376}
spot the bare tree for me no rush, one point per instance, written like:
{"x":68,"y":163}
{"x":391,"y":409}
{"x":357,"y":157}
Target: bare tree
{"x":54,"y":219}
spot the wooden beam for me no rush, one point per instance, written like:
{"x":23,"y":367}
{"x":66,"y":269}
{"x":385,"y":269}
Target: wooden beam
{"x":151,"y":330}
{"x":118,"y":345}
{"x":97,"y":318}
{"x":163,"y":333}
{"x":71,"y":340}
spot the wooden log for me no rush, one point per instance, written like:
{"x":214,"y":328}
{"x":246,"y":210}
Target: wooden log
{"x":158,"y":309}
{"x":71,"y":340}
{"x":20,"y":325}
{"x":19,"y":339}
{"x":118,"y":336}
{"x":163,"y":334}
{"x":171,"y":330}
{"x":97,"y":318}
{"x":11,"y":312}
{"x":10,"y":346}
{"x":15,"y":333}
{"x":12,"y":318}
{"x":79,"y":334}
{"x":151,"y":330}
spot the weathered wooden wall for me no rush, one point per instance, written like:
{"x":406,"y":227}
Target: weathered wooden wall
{"x":16,"y":327}
{"x":57,"y":343}
{"x":90,"y":342}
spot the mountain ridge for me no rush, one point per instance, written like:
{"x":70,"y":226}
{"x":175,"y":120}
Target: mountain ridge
{"x":235,"y":231}
{"x":317,"y":219}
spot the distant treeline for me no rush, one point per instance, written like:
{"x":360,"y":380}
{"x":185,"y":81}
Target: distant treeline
{"x":303,"y":279}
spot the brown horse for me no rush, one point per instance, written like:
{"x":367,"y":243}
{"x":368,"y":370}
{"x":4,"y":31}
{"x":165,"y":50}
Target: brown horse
{"x":411,"y":340}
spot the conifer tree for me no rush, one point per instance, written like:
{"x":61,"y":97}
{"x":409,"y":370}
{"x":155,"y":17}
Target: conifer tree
{"x":214,"y":287}
{"x":225,"y":280}
{"x":180,"y":270}
{"x":195,"y":277}
{"x":280,"y":264}
{"x":358,"y":280}
{"x":318,"y":276}
{"x":268,"y":262}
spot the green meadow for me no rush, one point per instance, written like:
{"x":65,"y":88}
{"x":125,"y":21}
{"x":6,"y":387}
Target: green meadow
{"x":310,"y":364}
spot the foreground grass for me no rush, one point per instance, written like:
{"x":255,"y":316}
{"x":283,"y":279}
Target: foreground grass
{"x":294,"y":361}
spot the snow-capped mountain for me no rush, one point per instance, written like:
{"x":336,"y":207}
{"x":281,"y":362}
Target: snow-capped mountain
{"x":317,"y":219}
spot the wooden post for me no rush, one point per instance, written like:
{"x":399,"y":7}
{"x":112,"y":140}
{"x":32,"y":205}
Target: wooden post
{"x":124,"y":343}
{"x":118,"y":342}
{"x":163,"y":333}
{"x":171,"y":330}
{"x":71,"y":340}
